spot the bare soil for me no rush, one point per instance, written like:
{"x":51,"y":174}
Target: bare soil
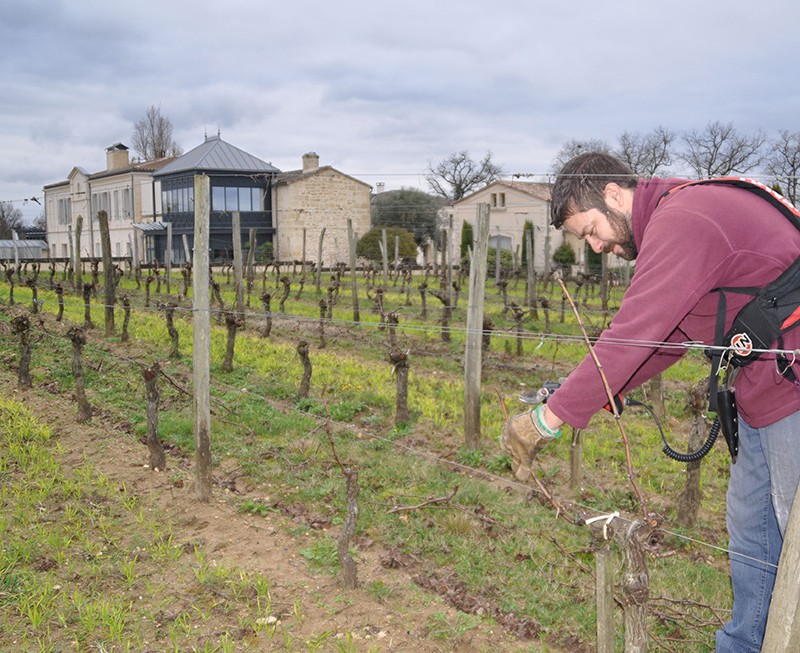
{"x":308,"y":604}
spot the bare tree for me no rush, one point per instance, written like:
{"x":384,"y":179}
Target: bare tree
{"x":648,"y":154}
{"x":458,"y":175}
{"x":152,"y":136}
{"x":720,"y":150}
{"x":783,"y":163}
{"x":40,"y":222}
{"x":574,"y":147}
{"x":10,"y":220}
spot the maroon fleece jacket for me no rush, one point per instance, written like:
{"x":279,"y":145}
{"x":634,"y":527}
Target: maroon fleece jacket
{"x":697,"y":239}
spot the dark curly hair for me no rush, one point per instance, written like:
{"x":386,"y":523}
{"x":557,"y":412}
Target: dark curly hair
{"x":580,"y":184}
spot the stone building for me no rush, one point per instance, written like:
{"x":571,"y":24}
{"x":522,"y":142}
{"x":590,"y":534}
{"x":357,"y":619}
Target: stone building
{"x":314,"y":198}
{"x":125,"y":190}
{"x":511,"y":205}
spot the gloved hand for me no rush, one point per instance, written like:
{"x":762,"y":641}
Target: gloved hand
{"x":541,"y":395}
{"x":524,"y":436}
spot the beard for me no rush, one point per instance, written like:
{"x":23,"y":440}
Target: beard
{"x":623,"y":236}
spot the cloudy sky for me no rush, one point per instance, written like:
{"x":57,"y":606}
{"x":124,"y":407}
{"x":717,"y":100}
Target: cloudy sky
{"x":380,"y":89}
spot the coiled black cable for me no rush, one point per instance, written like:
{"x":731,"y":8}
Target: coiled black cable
{"x":691,"y":456}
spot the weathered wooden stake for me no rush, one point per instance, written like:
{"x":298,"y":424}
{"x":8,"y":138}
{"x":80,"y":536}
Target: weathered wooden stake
{"x":202,"y":345}
{"x":351,"y":242}
{"x":472,"y":357}
{"x":319,"y":257}
{"x":109,"y":276}
{"x":323,"y":309}
{"x":604,"y":594}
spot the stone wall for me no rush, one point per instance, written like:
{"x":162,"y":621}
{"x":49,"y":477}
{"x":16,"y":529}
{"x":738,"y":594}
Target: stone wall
{"x":324,"y":198}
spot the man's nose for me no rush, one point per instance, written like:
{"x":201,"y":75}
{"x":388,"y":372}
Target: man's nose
{"x":597,"y":245}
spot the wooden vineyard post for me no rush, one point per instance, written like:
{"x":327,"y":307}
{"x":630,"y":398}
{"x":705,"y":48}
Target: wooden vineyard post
{"x":319,"y":258}
{"x":351,"y":242}
{"x":531,"y":276}
{"x":472,"y":358}
{"x":604,"y":594}
{"x":78,"y":264}
{"x":158,"y":460}
{"x":238,"y":277}
{"x":629,"y":536}
{"x":109,"y":278}
{"x":783,"y":623}
{"x":202,"y":342}
{"x":323,"y":310}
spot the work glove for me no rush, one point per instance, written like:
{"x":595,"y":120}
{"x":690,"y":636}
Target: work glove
{"x":523,"y":437}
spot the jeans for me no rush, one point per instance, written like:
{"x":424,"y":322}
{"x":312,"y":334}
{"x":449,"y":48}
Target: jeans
{"x":760,"y":492}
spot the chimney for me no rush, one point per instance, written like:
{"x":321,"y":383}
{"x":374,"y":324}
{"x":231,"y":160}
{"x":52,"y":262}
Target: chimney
{"x":117,"y":157}
{"x":379,"y":187}
{"x":310,"y":161}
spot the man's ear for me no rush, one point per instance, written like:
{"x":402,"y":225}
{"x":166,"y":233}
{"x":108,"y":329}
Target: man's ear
{"x":612,"y":194}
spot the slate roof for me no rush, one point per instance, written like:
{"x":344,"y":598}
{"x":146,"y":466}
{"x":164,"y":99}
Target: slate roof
{"x":216,"y":155}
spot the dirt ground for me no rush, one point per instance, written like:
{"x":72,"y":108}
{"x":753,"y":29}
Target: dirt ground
{"x":395,"y":621}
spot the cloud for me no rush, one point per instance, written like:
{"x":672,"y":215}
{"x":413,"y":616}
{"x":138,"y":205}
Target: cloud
{"x":381,"y":90}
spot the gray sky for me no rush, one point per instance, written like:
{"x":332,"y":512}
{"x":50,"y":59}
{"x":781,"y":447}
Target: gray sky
{"x":380,"y":89}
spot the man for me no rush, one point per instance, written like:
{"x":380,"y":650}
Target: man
{"x":686,"y":245}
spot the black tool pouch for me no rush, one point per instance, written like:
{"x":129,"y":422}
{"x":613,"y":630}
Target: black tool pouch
{"x":729,"y":419}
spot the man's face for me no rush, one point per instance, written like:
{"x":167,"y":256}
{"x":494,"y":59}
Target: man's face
{"x":608,"y":231}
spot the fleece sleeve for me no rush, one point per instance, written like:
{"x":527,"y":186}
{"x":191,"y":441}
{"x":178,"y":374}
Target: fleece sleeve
{"x":680,"y":261}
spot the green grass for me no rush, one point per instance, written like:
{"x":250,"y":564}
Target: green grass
{"x":500,"y":545}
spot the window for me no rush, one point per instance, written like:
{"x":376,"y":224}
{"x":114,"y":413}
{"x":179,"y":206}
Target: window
{"x":116,"y":215}
{"x":493,"y":202}
{"x":501,"y":199}
{"x":65,"y":211}
{"x":217,"y":198}
{"x":231,"y":199}
{"x":177,"y":196}
{"x":101,"y":202}
{"x":236,"y":198}
{"x":245,"y":200}
{"x":126,"y":204}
